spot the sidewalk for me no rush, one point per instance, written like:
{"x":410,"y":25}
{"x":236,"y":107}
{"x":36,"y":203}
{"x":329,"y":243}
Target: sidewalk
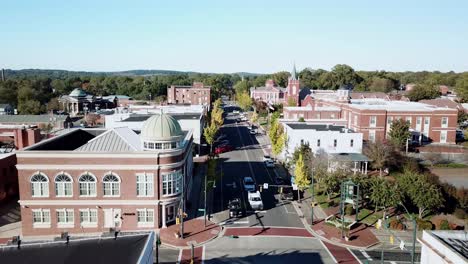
{"x":195,"y":233}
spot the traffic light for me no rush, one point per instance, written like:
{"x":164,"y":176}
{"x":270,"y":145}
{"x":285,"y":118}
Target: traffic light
{"x":177,"y":220}
{"x":281,"y":190}
{"x":391,"y":239}
{"x":260,"y":188}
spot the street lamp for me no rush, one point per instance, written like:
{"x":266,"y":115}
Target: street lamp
{"x":312,"y":197}
{"x":415,"y":226}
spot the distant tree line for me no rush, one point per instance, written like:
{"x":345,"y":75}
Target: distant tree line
{"x":33,"y":91}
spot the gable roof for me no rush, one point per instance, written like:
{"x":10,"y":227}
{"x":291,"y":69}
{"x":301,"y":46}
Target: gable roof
{"x":120,"y":139}
{"x":442,"y":102}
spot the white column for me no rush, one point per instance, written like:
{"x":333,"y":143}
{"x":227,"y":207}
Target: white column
{"x":365,"y":167}
{"x":355,"y":167}
{"x":164,"y":216}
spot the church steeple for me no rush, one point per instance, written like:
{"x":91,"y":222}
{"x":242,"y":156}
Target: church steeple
{"x":294,"y":73}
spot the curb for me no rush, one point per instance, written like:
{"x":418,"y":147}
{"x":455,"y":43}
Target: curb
{"x":220,"y":234}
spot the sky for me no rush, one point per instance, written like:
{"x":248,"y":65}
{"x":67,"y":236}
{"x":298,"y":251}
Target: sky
{"x":234,"y":36}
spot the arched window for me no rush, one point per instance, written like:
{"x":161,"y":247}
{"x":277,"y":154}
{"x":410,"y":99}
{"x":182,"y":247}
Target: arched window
{"x":111,"y":185}
{"x":39,"y":185}
{"x":87,"y":185}
{"x":63,"y":185}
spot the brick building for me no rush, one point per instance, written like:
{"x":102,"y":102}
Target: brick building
{"x":273,"y":94}
{"x":92,"y":180}
{"x":8,"y":176}
{"x":373,"y":116}
{"x":196,"y":94}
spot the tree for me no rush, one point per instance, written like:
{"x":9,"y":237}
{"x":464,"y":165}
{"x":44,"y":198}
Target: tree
{"x":301,"y":176}
{"x":217,"y":114}
{"x":307,"y":155}
{"x":244,"y":101}
{"x":421,"y":191}
{"x":54,"y":104}
{"x":423,"y":91}
{"x":242,"y":87}
{"x":281,"y":78}
{"x":332,"y":183}
{"x":380,"y":154}
{"x":344,"y":75}
{"x":254,"y":117}
{"x":276,"y":135}
{"x":91,"y":119}
{"x":384,"y":194}
{"x":291,"y":101}
{"x":210,"y":133}
{"x":461,"y":88}
{"x":384,"y":85}
{"x":399,"y":133}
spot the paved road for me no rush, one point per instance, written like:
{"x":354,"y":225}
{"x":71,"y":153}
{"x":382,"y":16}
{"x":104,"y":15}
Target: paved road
{"x":266,"y":250}
{"x":247,"y":160}
{"x":394,"y":256}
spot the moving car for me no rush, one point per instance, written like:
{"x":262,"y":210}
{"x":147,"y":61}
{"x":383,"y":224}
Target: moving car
{"x":269,"y":163}
{"x":222,"y":149}
{"x":255,"y":200}
{"x":267,"y":158}
{"x":235,"y":208}
{"x":249,"y":184}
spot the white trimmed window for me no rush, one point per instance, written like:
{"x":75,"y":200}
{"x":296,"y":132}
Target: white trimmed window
{"x":65,"y":217}
{"x":373,"y":121}
{"x":88,"y":217}
{"x":41,"y":218}
{"x":335,"y":143}
{"x":172,"y":183}
{"x":444,"y":122}
{"x":418,"y":120}
{"x":39,"y":185}
{"x":351,"y":143}
{"x":145,"y":184}
{"x":111,"y":184}
{"x":63,"y":185}
{"x":87,"y":184}
{"x":145,"y":217}
{"x":372,"y":135}
{"x":408,"y":119}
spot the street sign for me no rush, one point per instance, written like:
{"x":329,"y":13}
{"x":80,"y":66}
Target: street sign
{"x":294,"y":187}
{"x":201,"y":210}
{"x":265,"y":186}
{"x":402,"y":245}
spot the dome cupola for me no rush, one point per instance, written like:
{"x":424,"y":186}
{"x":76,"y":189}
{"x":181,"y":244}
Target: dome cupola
{"x":161,"y":131}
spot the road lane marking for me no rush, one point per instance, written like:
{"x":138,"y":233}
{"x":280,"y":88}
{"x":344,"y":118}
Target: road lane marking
{"x":364,"y":253}
{"x":180,"y":256}
{"x":203,"y":256}
{"x":247,"y":156}
{"x":355,"y":256}
{"x":227,"y":222}
{"x":329,"y":252}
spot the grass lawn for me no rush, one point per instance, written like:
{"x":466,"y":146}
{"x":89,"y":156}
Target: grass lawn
{"x":368,"y":216}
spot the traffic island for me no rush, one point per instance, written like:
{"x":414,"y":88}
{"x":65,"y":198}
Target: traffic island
{"x":195,"y":233}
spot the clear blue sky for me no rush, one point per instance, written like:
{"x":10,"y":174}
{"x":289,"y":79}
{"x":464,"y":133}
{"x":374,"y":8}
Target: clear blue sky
{"x":232,"y":36}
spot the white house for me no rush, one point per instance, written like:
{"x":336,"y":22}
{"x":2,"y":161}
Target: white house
{"x":343,"y":146}
{"x":440,"y":247}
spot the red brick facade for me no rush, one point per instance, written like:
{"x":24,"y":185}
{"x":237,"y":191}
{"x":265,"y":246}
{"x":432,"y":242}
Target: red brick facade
{"x":125,"y":166}
{"x":197,"y":94}
{"x":8,"y":176}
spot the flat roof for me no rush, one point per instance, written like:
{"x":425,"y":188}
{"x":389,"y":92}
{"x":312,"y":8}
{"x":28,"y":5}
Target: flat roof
{"x":349,"y":157}
{"x":178,"y":116}
{"x":317,"y":127}
{"x":124,"y":249}
{"x":403,"y":106}
{"x":456,"y":240}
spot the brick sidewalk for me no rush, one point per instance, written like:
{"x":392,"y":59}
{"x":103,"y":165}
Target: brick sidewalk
{"x":361,"y":236}
{"x":194,"y":233}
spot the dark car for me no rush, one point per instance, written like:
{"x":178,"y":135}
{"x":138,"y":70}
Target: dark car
{"x":287,"y":194}
{"x":222,"y":149}
{"x":235,"y":208}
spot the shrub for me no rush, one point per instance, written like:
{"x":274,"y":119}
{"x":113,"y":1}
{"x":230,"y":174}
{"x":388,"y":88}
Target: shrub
{"x":396,"y":224}
{"x":444,"y":225}
{"x":460,"y":213}
{"x":424,"y":225}
{"x":349,"y":209}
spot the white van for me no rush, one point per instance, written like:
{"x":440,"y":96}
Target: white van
{"x":255,"y":200}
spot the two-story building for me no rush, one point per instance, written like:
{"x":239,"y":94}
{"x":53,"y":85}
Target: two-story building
{"x":196,"y":94}
{"x":91,"y":180}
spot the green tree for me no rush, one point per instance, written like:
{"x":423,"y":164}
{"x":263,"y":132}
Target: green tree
{"x":421,"y":191}
{"x":332,"y":183}
{"x":461,"y":88}
{"x":384,"y":194}
{"x":380,"y":84}
{"x":54,"y":104}
{"x":301,"y":177}
{"x":254,"y":117}
{"x":210,"y":133}
{"x":281,"y":78}
{"x":380,"y":155}
{"x":344,"y":75}
{"x":244,"y":101}
{"x":399,"y":133}
{"x":217,"y":114}
{"x":423,"y":91}
{"x":242,"y":87}
{"x":307,"y":155}
{"x":276,"y":135}
{"x":291,"y":101}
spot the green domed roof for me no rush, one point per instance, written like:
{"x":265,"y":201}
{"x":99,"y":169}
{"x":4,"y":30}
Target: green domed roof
{"x":77,"y":92}
{"x":161,"y":127}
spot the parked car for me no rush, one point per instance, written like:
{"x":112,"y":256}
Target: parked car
{"x":222,"y":149}
{"x":267,"y":158}
{"x":221,"y":137}
{"x":222,"y":143}
{"x":235,"y":208}
{"x":249,"y":184}
{"x":255,"y":200}
{"x":287,"y":194}
{"x":269,"y":163}
{"x":235,"y":112}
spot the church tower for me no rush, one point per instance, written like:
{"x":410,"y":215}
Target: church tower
{"x":293,"y":88}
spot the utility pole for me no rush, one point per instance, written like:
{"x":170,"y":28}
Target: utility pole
{"x":204,"y":211}
{"x":312,"y":199}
